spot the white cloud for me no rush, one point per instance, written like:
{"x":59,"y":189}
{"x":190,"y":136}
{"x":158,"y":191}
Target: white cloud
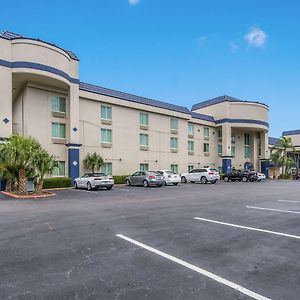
{"x":134,"y":2}
{"x":256,"y":37}
{"x":201,"y":41}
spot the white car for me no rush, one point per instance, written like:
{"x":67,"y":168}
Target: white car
{"x":261,"y":177}
{"x":91,"y":181}
{"x":170,"y":177}
{"x":203,"y":175}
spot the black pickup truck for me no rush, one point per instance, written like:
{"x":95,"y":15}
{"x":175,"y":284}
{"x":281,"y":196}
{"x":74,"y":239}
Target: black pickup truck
{"x":241,"y":175}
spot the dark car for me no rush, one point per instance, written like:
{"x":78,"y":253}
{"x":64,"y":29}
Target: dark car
{"x":296,"y":175}
{"x":240,"y":175}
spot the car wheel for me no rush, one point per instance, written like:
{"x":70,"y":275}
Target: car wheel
{"x":160,"y":185}
{"x":88,"y":186}
{"x":175,"y":183}
{"x":145,"y":183}
{"x":213,"y":182}
{"x":109,"y":187}
{"x":127,"y":182}
{"x":75,"y":185}
{"x":183,"y":180}
{"x":203,"y":180}
{"x":244,"y":179}
{"x":226,"y":178}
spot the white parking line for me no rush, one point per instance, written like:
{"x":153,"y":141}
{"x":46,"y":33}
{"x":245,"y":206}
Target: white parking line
{"x":197,"y":269}
{"x":292,"y":201}
{"x":273,"y":209}
{"x":250,"y":228}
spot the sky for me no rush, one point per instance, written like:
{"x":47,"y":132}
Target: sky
{"x":182,"y":52}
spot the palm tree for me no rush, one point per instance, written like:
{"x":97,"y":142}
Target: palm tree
{"x":276,"y":158}
{"x":44,"y":164}
{"x":93,"y":162}
{"x":284,"y":144}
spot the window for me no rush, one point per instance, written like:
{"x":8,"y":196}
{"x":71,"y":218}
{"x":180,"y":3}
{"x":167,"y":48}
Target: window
{"x":106,"y":136}
{"x":60,"y":169}
{"x":190,"y":146}
{"x":247,"y":145}
{"x":219,"y":134}
{"x":144,"y":119}
{"x":144,"y":140}
{"x":232,"y":151}
{"x":190,"y":168}
{"x":174,"y":143}
{"x":191,"y":129}
{"x":174,"y":168}
{"x":107,"y":168}
{"x":144,"y":167}
{"x":232,"y":138}
{"x":106,"y":112}
{"x":59,"y":130}
{"x":58,"y":104}
{"x":174,"y":124}
{"x":220,"y":149}
{"x":206,"y":148}
{"x":206,"y":132}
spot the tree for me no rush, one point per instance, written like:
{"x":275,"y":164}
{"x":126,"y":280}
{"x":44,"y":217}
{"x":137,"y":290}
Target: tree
{"x":44,"y":164}
{"x":276,"y":158}
{"x":93,"y":162}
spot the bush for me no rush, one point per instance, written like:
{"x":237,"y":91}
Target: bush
{"x":120,"y":179}
{"x":59,"y":182}
{"x":285,"y":176}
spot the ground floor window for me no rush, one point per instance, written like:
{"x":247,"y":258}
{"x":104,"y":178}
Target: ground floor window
{"x":144,"y":167}
{"x":107,"y":168}
{"x":174,"y":168}
{"x":190,"y":168}
{"x":247,"y":151}
{"x":60,"y":169}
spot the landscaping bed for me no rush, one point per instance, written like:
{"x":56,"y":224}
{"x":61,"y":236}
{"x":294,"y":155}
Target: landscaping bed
{"x":45,"y":194}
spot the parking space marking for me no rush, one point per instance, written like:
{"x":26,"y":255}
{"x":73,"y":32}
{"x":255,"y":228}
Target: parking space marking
{"x":201,"y":271}
{"x":273,"y":209}
{"x":249,"y":228}
{"x":292,"y":201}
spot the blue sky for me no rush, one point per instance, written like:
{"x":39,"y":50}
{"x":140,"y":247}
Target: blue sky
{"x":182,"y":52}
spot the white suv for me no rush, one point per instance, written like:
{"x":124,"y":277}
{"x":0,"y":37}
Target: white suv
{"x":203,"y":175}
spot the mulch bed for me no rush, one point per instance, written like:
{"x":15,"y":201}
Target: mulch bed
{"x":29,"y":196}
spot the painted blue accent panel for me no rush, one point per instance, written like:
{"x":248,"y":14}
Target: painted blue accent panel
{"x":73,"y":163}
{"x":243,"y":121}
{"x":265,"y":167}
{"x":36,"y":66}
{"x":226,"y":165}
{"x":202,"y":117}
{"x":2,"y":184}
{"x":291,"y":132}
{"x":273,"y":141}
{"x":132,"y":98}
{"x":221,"y":99}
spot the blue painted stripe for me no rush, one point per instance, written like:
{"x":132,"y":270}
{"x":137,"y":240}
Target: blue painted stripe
{"x":243,"y":121}
{"x":73,"y":145}
{"x":37,"y":66}
{"x":291,"y":132}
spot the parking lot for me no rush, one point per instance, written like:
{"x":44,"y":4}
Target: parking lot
{"x":193,"y":241}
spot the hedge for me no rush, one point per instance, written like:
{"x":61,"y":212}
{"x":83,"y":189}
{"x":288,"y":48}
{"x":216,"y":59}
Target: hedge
{"x":285,"y":176}
{"x":120,"y":179}
{"x":59,"y":182}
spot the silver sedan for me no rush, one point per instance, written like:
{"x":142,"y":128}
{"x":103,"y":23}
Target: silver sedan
{"x":146,"y":178}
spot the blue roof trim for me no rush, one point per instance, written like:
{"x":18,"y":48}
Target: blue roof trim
{"x":36,"y":66}
{"x":14,"y":36}
{"x":291,"y":132}
{"x":273,"y":141}
{"x":244,"y":121}
{"x":132,"y":98}
{"x":202,"y":117}
{"x":221,"y":99}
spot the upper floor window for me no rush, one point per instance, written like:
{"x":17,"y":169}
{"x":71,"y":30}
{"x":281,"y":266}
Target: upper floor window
{"x":247,"y":145}
{"x":58,"y":104}
{"x":174,"y":143}
{"x":58,"y":130}
{"x":106,"y":136}
{"x":144,"y":119}
{"x":219,"y":149}
{"x":206,"y":148}
{"x":232,"y":138}
{"x":191,"y":146}
{"x":144,"y":139}
{"x":191,"y":129}
{"x":106,"y":112}
{"x":219,"y":134}
{"x":174,"y":124}
{"x":206,"y":132}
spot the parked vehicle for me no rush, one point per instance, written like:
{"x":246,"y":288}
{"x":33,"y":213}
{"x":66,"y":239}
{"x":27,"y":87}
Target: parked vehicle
{"x":146,"y":178}
{"x":296,"y":175}
{"x":94,"y":181}
{"x":170,"y":177}
{"x":241,"y":175}
{"x":203,"y":175}
{"x":261,"y":177}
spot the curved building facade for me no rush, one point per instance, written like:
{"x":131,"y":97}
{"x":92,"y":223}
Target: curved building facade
{"x":42,"y":96}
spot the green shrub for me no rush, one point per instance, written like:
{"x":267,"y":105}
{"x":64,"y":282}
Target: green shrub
{"x":285,"y":176}
{"x":59,"y":182}
{"x":120,"y":179}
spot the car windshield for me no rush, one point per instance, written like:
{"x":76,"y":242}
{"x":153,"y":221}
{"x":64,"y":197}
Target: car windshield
{"x":98,"y":174}
{"x":213,"y":170}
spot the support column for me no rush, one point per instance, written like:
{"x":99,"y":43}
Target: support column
{"x":74,"y":139}
{"x":255,"y":151}
{"x":5,"y":102}
{"x":226,"y":148}
{"x":265,"y":153}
